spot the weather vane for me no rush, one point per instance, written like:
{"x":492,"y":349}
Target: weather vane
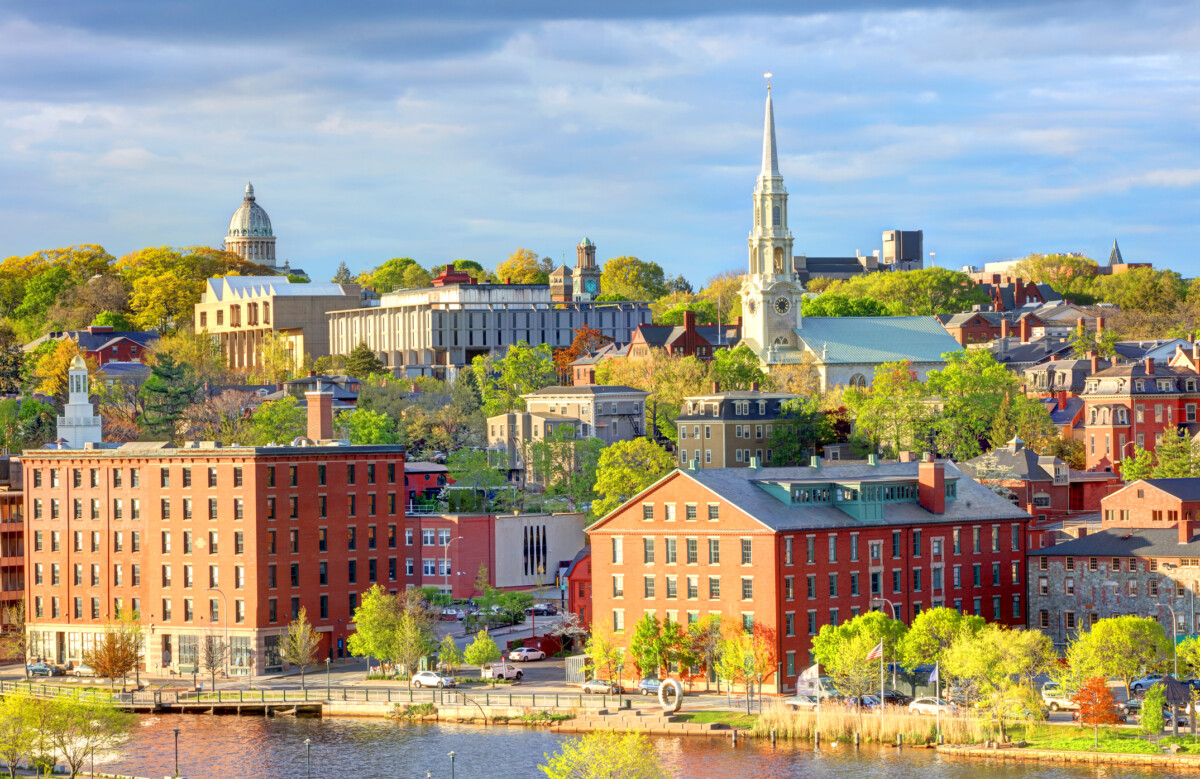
{"x":767,"y":76}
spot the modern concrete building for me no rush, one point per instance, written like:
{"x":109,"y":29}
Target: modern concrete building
{"x":440,"y":329}
{"x":608,"y":412}
{"x":728,"y":429}
{"x":239,"y":310}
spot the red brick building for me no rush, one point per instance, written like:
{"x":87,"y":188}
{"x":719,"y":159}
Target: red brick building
{"x":579,"y":585}
{"x":101,"y":344}
{"x":792,"y":549}
{"x":204,"y":539}
{"x":688,"y":340}
{"x":12,"y":538}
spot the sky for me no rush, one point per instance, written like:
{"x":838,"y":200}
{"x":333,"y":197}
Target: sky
{"x":387,"y":128}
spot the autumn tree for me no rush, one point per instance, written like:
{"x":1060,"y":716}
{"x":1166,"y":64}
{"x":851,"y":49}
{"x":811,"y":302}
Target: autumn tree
{"x":628,"y":278}
{"x":51,"y":371}
{"x":747,"y":656}
{"x":118,"y":650}
{"x":524,"y":267}
{"x":1097,"y":706}
{"x":587,"y":340}
{"x":626,"y":468}
{"x":298,"y":646}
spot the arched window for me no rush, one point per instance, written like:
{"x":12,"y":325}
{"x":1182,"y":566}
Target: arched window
{"x":776,"y":217}
{"x":858,"y":381}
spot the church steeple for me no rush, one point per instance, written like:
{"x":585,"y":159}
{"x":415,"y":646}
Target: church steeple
{"x":770,"y":165}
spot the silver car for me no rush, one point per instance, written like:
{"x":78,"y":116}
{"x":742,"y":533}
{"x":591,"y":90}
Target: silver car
{"x":432,"y":679}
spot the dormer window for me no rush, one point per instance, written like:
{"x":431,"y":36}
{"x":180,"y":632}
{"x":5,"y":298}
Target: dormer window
{"x":1140,"y":385}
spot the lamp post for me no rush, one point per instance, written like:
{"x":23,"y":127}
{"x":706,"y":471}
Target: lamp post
{"x":451,"y":764}
{"x":176,"y":751}
{"x":328,"y":694}
{"x":446,"y":570}
{"x":1174,"y":636}
{"x":308,"y":755}
{"x":892,"y":606}
{"x":224,"y":619}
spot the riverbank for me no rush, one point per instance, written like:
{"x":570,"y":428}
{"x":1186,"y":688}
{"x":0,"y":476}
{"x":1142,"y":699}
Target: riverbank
{"x":1030,"y":754}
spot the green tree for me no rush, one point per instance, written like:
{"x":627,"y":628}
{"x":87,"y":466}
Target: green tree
{"x":738,"y":368}
{"x":365,"y":427}
{"x":799,"y":431}
{"x":17,"y":733}
{"x":1143,"y":289}
{"x":892,"y":413}
{"x":606,"y":659}
{"x":298,"y":646}
{"x":471,"y":470}
{"x":916,"y":292}
{"x":606,"y":755}
{"x":633,"y":279}
{"x":449,"y":655}
{"x":834,"y":304}
{"x":522,"y":370}
{"x":362,"y":362}
{"x":705,"y":311}
{"x":1176,"y":456}
{"x":625,"y":469}
{"x":413,"y":642}
{"x":842,"y":650}
{"x":342,"y":275}
{"x":524,"y":267}
{"x":1124,"y":647}
{"x":166,"y":394}
{"x":482,"y":651}
{"x":998,"y":667}
{"x":1152,"y":720}
{"x":392,"y":274}
{"x":276,"y":358}
{"x":117,"y":320}
{"x":566,"y":466}
{"x":1072,"y":277}
{"x":80,"y":728}
{"x":375,"y":620}
{"x":932,"y":632}
{"x":277,"y":422}
{"x":1139,"y":466}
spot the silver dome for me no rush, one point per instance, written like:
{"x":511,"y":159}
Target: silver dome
{"x":250,"y":220}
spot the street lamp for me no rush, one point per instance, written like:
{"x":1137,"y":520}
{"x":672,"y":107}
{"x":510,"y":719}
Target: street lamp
{"x":892,"y":606}
{"x":176,"y":751}
{"x":452,"y":764}
{"x":1174,"y":636}
{"x":446,"y":570}
{"x":308,"y":753}
{"x":328,"y":694}
{"x":225,"y":619}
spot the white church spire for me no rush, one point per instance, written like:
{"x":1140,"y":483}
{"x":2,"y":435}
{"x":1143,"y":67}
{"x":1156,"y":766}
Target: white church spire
{"x":770,"y":164}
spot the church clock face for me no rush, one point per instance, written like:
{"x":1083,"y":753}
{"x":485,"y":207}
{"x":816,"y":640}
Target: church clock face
{"x":782,"y":305}
{"x":590,"y":285}
{"x":753,"y":306}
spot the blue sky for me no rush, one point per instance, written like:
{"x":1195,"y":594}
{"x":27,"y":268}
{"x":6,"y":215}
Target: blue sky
{"x":466,"y":129}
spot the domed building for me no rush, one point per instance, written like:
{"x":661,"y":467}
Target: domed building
{"x":250,"y":235}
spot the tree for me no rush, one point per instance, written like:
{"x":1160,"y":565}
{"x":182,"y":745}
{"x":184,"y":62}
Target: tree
{"x":276,"y":359}
{"x":738,"y":369}
{"x":606,"y":659}
{"x":471,"y":470}
{"x":626,"y":468}
{"x":799,"y":431}
{"x":166,"y":394}
{"x":118,"y":650}
{"x":393,"y":275}
{"x":375,"y":625}
{"x":522,"y":370}
{"x":342,"y":275}
{"x":1124,"y":647}
{"x":892,"y":413}
{"x":998,"y":667}
{"x":1139,"y":466}
{"x":1143,"y":289}
{"x":587,"y":340}
{"x":79,"y":728}
{"x":834,"y":304}
{"x":705,"y":310}
{"x":524,"y":267}
{"x":51,"y":370}
{"x":1097,"y":706}
{"x":923,"y":292}
{"x":1069,"y":450}
{"x":13,"y":641}
{"x":842,"y":650}
{"x":277,"y":422}
{"x":17,"y":733}
{"x":1071,"y":276}
{"x":747,"y":656}
{"x":482,"y":651}
{"x":799,"y":378}
{"x":365,"y":427}
{"x":1152,"y":720}
{"x":566,"y":466}
{"x":932,"y":632}
{"x":199,"y":353}
{"x":413,"y":641}
{"x":298,"y":646}
{"x":646,"y":647}
{"x":705,"y":637}
{"x":449,"y":655}
{"x":114,"y":319}
{"x":633,"y":279}
{"x":1176,"y":456}
{"x":362,"y":362}
{"x":606,"y":755}
{"x":213,"y":653}
{"x":987,"y":470}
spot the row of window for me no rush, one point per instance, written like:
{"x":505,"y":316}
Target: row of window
{"x":1115,"y":564}
{"x":691,"y":511}
{"x":691,"y":550}
{"x":185,"y":475}
{"x":1154,"y":587}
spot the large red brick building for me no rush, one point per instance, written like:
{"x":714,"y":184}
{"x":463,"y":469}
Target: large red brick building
{"x":204,"y":539}
{"x":792,"y":549}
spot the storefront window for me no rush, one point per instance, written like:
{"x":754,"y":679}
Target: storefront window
{"x":189,"y":654}
{"x":239,"y":655}
{"x":271,"y":659}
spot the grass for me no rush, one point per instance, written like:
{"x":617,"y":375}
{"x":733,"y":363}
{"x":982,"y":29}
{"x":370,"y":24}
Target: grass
{"x":842,"y":722}
{"x":1075,"y":739}
{"x":733,"y":719}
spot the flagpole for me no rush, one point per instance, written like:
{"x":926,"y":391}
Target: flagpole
{"x":818,"y":665}
{"x":938,"y":696}
{"x":882,"y":677}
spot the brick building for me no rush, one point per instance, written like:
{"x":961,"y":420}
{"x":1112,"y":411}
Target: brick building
{"x":686,"y":340}
{"x":102,"y":344}
{"x":792,"y":549}
{"x":1144,"y":561}
{"x":982,"y":327}
{"x":205,"y":538}
{"x":12,"y":539}
{"x":579,"y":585}
{"x":727,"y":429}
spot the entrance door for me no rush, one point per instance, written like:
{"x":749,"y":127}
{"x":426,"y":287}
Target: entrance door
{"x":60,"y":648}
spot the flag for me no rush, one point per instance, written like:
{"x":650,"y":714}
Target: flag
{"x":876,"y":653}
{"x":809,"y":679}
{"x":933,"y":677}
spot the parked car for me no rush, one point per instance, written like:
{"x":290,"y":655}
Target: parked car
{"x":1145,"y":683}
{"x":1056,"y":698}
{"x":601,"y":687}
{"x":452,"y":613}
{"x":502,"y":671}
{"x":523,"y":654}
{"x":649,"y":686}
{"x":82,"y":669}
{"x":865,"y":701}
{"x":432,"y":679}
{"x":542,"y":610}
{"x":893,"y":698}
{"x":42,"y":669}
{"x":801,"y":702}
{"x":1121,"y":714}
{"x":931,"y":706}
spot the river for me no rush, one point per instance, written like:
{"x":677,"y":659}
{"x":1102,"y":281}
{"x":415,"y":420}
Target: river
{"x":224,"y":747}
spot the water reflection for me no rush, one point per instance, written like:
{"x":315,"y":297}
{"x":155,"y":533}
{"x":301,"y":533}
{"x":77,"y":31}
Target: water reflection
{"x":259,"y":748}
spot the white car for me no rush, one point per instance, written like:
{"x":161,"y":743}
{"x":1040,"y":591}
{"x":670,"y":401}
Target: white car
{"x":432,"y":679}
{"x":502,"y":671}
{"x":930,"y":706}
{"x":523,"y":654}
{"x":82,"y":669}
{"x":1056,"y":698}
{"x":1145,"y":683}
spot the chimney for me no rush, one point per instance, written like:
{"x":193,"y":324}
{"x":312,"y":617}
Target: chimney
{"x":1055,"y":357}
{"x":1004,"y":327}
{"x":1099,"y":327}
{"x":1025,"y":330}
{"x":1195,"y":354}
{"x":906,"y":456}
{"x":754,"y":466}
{"x":312,"y":373}
{"x":754,"y":386}
{"x":1149,"y":366}
{"x":995,"y":278}
{"x":1062,"y":400}
{"x":689,"y":321}
{"x":1081,"y":325}
{"x":93,"y":329}
{"x":716,"y":387}
{"x":1080,"y":531}
{"x":1187,"y":530}
{"x":1191,"y":338}
{"x":932,"y":487}
{"x":1095,"y":361}
{"x":873,"y":460}
{"x":815,"y":462}
{"x":320,"y":415}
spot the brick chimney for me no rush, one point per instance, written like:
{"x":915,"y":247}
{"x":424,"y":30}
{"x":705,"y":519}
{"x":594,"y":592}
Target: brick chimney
{"x":1149,"y":366}
{"x":716,"y":387}
{"x":1004,"y":327}
{"x":932,"y":487}
{"x":1187,"y":530}
{"x":1025,"y":330}
{"x":1095,"y":361}
{"x":1196,"y":353}
{"x":689,"y":321}
{"x":1099,"y":327}
{"x":1062,"y":400}
{"x":754,"y":386}
{"x":320,"y":415}
{"x":906,"y":456}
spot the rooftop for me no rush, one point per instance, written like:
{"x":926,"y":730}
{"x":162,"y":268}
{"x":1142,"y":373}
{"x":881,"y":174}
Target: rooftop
{"x":1121,"y":542}
{"x":876,"y":339}
{"x":244,"y":287}
{"x":587,"y":390}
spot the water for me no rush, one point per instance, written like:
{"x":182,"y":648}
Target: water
{"x":226,"y":747}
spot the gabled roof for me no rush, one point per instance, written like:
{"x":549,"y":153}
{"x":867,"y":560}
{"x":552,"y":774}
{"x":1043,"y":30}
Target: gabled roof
{"x":1159,"y":348}
{"x":1033,"y":352}
{"x":1025,"y":463}
{"x":876,"y":339}
{"x":580,"y":556}
{"x":1184,"y":489}
{"x":93,"y":342}
{"x":585,"y":390}
{"x":241,"y":287}
{"x":1125,"y":542}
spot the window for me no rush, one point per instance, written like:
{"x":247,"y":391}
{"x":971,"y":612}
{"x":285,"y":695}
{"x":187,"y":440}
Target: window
{"x":618,"y":551}
{"x":789,"y":624}
{"x":618,"y":585}
{"x":693,"y":587}
{"x":648,"y":586}
{"x":671,"y":555}
{"x":747,"y":588}
{"x":811,"y":542}
{"x":714,"y":550}
{"x":833,"y":585}
{"x":618,"y":620}
{"x":833,"y":548}
{"x":691,"y":547}
{"x":672,"y":587}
